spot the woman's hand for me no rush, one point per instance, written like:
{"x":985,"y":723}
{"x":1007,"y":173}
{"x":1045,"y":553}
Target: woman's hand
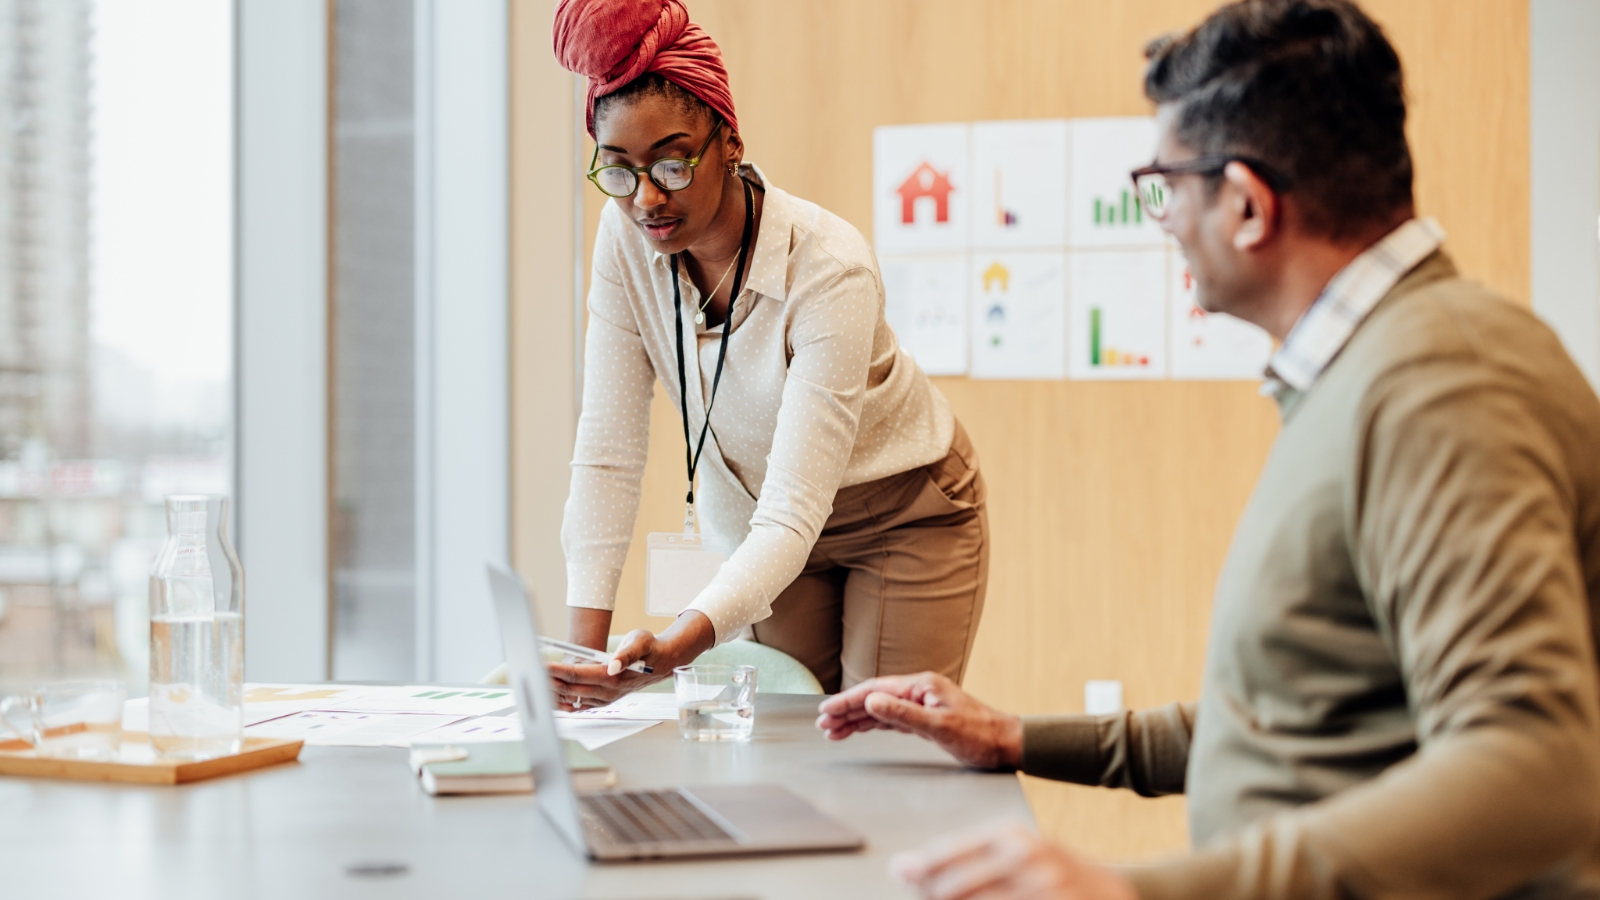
{"x":585,"y":685}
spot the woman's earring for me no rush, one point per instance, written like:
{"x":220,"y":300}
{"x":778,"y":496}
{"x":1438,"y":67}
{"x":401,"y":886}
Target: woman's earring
{"x":733,"y":170}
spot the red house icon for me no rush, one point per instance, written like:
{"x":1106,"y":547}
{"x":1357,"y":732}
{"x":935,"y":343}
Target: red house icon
{"x":925,"y":181}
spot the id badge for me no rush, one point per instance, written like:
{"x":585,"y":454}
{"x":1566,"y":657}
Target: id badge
{"x":677,"y":568}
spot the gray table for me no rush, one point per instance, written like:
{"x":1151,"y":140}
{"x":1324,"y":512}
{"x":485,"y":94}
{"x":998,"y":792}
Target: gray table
{"x":296,"y":831}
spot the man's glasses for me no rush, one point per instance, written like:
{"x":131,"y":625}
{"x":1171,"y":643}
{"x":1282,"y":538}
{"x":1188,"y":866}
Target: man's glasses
{"x":1153,"y":185}
{"x":668,"y":174}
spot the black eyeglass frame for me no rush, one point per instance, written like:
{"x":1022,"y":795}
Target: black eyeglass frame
{"x":692,"y":162}
{"x":1207,"y":165}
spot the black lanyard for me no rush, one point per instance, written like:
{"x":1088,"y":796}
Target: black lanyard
{"x":691,"y":450}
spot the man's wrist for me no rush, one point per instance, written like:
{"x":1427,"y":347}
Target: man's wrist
{"x":1008,"y":742}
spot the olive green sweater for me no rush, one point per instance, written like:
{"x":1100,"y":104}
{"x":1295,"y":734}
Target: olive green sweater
{"x":1400,"y":691}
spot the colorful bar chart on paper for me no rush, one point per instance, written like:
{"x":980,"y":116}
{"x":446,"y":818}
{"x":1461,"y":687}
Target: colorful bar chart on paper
{"x":1118,"y":308}
{"x":1100,"y":355}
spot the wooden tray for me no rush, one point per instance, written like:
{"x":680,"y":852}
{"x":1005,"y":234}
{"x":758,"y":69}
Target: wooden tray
{"x":138,"y":763}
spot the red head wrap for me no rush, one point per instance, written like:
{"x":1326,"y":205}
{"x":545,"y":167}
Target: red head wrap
{"x":612,"y":42}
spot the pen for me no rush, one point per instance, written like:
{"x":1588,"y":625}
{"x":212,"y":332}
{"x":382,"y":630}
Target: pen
{"x":592,"y":655}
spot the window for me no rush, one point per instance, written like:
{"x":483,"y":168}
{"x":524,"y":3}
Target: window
{"x":115,"y":313}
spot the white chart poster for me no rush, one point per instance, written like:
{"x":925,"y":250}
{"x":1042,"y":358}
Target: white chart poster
{"x":926,"y":304}
{"x":1119,"y":313}
{"x":1211,"y":346}
{"x":1019,"y":184}
{"x":919,"y":188}
{"x":1102,"y":208}
{"x":1019,"y":327}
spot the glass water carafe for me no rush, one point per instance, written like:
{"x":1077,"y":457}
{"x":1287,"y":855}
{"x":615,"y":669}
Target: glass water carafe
{"x":196,"y":633}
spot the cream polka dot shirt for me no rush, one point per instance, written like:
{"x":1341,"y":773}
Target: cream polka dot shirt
{"x":816,"y":395}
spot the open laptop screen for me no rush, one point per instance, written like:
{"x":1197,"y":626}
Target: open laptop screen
{"x":530,"y":684}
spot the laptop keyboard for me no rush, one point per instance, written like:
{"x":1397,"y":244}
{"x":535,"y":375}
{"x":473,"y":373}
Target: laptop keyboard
{"x":650,"y":817}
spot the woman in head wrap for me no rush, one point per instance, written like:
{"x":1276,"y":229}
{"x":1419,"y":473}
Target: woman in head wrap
{"x":833,"y":473}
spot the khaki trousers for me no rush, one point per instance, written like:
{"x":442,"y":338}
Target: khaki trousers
{"x":895,"y":583}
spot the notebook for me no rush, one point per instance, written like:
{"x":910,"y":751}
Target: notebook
{"x":499,"y":767}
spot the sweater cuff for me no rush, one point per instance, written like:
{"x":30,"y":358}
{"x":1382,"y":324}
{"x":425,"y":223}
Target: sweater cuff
{"x":1061,"y":748}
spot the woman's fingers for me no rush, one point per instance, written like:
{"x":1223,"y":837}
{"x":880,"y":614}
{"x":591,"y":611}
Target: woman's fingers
{"x":580,"y":673}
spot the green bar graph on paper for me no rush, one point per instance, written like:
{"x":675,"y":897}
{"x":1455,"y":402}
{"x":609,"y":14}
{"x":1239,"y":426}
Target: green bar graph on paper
{"x":1125,"y":210}
{"x":1094,"y":335}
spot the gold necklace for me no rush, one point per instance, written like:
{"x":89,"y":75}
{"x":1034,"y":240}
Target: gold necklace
{"x":700,"y":316}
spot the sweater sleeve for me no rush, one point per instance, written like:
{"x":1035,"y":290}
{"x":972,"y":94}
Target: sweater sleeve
{"x":818,"y":417}
{"x":613,"y":437}
{"x":1462,"y":525}
{"x":1146,"y":751}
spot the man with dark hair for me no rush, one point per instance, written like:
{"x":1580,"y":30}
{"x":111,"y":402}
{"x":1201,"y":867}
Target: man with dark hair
{"x":1400,"y":696}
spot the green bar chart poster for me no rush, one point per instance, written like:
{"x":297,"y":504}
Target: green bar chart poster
{"x":1102,"y":209}
{"x":1118,"y":314}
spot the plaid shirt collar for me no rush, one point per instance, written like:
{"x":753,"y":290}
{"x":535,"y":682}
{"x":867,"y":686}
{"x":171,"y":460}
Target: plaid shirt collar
{"x":1351,"y":294}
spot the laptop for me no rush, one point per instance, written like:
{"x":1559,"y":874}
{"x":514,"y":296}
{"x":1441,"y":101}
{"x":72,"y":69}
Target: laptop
{"x":709,"y":820}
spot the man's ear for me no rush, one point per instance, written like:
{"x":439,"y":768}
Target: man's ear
{"x":1257,"y":207}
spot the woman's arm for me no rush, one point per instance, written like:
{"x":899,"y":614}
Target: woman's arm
{"x":609,"y":452}
{"x":831,"y":342}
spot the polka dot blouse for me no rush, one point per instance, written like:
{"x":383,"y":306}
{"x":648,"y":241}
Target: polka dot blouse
{"x":816,"y":395}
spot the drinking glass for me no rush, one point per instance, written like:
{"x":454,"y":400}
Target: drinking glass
{"x":69,"y":719}
{"x":715,"y":703}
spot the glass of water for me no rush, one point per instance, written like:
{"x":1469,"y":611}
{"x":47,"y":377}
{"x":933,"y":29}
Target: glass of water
{"x":716,"y":703}
{"x":70,"y":720}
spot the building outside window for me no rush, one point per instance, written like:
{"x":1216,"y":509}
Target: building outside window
{"x":115,"y":313}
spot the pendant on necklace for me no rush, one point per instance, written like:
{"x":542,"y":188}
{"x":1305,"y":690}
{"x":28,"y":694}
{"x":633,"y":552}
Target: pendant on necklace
{"x":700,"y":318}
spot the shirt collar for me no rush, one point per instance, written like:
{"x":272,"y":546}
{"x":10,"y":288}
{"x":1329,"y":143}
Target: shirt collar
{"x":769,"y":263}
{"x":1345,"y":302}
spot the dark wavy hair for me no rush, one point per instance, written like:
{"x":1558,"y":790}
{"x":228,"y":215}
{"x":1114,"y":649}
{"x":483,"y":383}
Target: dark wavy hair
{"x":1311,"y":87}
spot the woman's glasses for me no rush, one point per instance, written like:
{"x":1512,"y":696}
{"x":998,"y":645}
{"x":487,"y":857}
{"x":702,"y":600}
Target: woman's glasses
{"x":1153,"y":187}
{"x":668,"y":174}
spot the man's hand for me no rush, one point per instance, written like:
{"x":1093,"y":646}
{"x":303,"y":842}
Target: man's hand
{"x":585,"y":685}
{"x":1007,"y":862}
{"x":932,"y":706}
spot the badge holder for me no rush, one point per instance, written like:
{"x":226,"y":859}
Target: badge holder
{"x":678,"y":566}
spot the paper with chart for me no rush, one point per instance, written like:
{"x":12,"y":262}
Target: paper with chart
{"x":1019,"y":315}
{"x":591,"y":733}
{"x":1211,"y":346}
{"x":1119,"y":314}
{"x":920,"y":188}
{"x":263,"y":702}
{"x":640,"y":705}
{"x":1019,"y":184}
{"x":926,"y":305}
{"x":1104,"y":211}
{"x":420,"y":698}
{"x":349,"y":729}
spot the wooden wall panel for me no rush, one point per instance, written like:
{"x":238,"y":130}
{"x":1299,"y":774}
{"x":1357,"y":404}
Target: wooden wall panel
{"x":1112,"y":504}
